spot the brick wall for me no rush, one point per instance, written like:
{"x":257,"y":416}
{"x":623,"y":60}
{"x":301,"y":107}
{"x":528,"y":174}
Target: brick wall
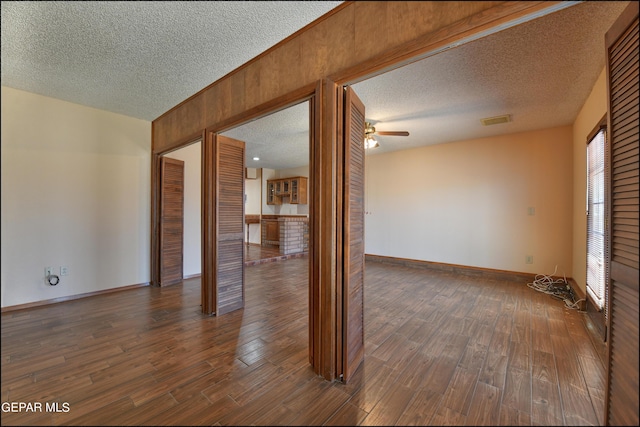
{"x":294,"y":235}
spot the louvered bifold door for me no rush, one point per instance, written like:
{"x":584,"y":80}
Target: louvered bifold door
{"x":229,"y":166}
{"x":171,"y":221}
{"x":222,"y":224}
{"x":353,"y":235}
{"x":622,"y":233}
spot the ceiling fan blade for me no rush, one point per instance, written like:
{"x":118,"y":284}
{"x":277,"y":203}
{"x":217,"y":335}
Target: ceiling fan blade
{"x":392,"y":133}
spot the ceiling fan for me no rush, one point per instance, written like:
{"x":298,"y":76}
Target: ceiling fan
{"x":370,"y":130}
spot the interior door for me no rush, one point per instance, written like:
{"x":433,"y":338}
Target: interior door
{"x":171,"y":220}
{"x":622,"y":233}
{"x":223,"y":225}
{"x":353,"y":235}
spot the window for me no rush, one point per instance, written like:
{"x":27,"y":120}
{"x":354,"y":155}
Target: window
{"x":596,"y":280}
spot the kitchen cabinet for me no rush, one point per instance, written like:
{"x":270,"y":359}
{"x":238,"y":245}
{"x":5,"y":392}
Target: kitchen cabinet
{"x":271,"y":230}
{"x":291,"y":190}
{"x":299,"y":190}
{"x":271,"y":194}
{"x":283,"y":187}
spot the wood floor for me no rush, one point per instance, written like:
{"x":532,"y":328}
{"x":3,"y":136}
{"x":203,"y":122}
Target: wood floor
{"x":441,"y":349}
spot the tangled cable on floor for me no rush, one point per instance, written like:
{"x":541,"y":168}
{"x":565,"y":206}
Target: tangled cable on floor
{"x":557,"y":288}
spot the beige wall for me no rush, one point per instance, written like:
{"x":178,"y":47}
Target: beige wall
{"x":468,"y":202}
{"x":588,"y":118}
{"x":75,"y":193}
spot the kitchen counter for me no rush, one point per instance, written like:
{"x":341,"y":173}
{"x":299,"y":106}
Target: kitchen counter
{"x":252,"y":219}
{"x":283,"y":216}
{"x":290,"y":233}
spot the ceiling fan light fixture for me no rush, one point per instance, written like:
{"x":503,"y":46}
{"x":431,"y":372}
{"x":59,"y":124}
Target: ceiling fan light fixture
{"x":370,"y":142}
{"x":369,"y":129}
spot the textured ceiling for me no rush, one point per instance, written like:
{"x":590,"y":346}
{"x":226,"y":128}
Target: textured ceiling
{"x":143,"y":58}
{"x":539,"y":72}
{"x":139,"y":58}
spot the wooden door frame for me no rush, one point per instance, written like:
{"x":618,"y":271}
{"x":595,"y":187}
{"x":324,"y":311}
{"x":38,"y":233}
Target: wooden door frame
{"x":327,"y":226}
{"x":156,"y":220}
{"x":208,"y":225}
{"x":323,"y":274}
{"x":199,"y":111}
{"x":323,"y":231}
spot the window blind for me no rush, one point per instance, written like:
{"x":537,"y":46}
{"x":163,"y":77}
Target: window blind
{"x":596,"y":279}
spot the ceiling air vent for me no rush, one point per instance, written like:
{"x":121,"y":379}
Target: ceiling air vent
{"x":496,"y":120}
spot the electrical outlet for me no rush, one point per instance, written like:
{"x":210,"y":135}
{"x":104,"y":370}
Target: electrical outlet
{"x":48,"y":271}
{"x":64,"y":270}
{"x":529,"y":259}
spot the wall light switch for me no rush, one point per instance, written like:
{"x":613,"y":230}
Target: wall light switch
{"x":531,"y":211}
{"x":64,"y":271}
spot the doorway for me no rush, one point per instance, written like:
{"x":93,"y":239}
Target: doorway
{"x":180,"y":237}
{"x":277,"y":148}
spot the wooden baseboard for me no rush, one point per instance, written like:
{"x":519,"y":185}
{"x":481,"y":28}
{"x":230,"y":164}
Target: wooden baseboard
{"x":70,"y":298}
{"x":454,"y":268}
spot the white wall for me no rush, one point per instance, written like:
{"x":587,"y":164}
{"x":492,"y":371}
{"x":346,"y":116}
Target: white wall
{"x":192,"y":255}
{"x":467,"y":202}
{"x":589,"y":116}
{"x":252,"y":206}
{"x":75,"y":193}
{"x":268,"y":174}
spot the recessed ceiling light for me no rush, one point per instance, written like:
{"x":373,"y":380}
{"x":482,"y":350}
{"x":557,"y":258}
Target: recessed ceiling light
{"x":256,"y":158}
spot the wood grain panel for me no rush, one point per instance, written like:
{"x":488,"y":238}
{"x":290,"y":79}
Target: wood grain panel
{"x":230,"y":166}
{"x":485,"y":407}
{"x":250,"y":367}
{"x":353,"y":229}
{"x":337,"y":45}
{"x":623,"y":233}
{"x":230,"y":277}
{"x":179,"y":125}
{"x":323,"y":247}
{"x":171,"y":221}
{"x":222,"y":224}
{"x":214,"y":110}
